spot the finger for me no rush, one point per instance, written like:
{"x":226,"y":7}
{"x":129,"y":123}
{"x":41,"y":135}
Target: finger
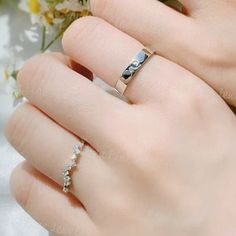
{"x":48,"y":147}
{"x":150,"y":22}
{"x":107,"y":52}
{"x":70,"y":99}
{"x":170,"y":33}
{"x":43,"y":200}
{"x":175,"y":38}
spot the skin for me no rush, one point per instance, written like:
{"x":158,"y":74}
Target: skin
{"x":202,"y":41}
{"x":162,"y":164}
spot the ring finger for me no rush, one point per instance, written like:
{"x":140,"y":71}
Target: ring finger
{"x":107,"y":51}
{"x":48,"y":147}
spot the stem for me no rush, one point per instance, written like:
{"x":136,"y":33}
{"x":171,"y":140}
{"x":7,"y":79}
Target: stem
{"x":52,"y":41}
{"x":43,"y":38}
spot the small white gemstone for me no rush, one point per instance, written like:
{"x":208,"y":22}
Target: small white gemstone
{"x":76,"y":150}
{"x":73,"y":164}
{"x":74,"y":157}
{"x":67,"y":167}
{"x":67,"y":178}
{"x":65,"y":190}
{"x":65,"y":173}
{"x":77,"y":153}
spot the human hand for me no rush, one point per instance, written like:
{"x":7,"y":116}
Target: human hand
{"x":162,"y":164}
{"x":203,"y":41}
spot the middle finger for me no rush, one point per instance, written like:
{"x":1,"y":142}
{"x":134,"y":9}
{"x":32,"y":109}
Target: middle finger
{"x":71,"y":100}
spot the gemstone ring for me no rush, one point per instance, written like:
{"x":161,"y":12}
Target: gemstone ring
{"x":71,"y":165}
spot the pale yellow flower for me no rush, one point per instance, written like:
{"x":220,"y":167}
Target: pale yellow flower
{"x":34,"y":6}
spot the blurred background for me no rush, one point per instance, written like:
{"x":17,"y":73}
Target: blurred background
{"x":18,"y":41}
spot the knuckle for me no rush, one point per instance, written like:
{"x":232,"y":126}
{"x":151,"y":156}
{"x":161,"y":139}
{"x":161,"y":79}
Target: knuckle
{"x":218,"y":54}
{"x":119,"y":203}
{"x":18,"y":127}
{"x":193,"y":99}
{"x":187,"y":105}
{"x":196,"y":106}
{"x":81,"y":31}
{"x":215,"y":57}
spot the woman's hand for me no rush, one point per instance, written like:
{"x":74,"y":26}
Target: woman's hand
{"x":203,"y":41}
{"x":162,"y":165}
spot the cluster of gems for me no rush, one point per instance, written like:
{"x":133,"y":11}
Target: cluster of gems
{"x":70,"y":166}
